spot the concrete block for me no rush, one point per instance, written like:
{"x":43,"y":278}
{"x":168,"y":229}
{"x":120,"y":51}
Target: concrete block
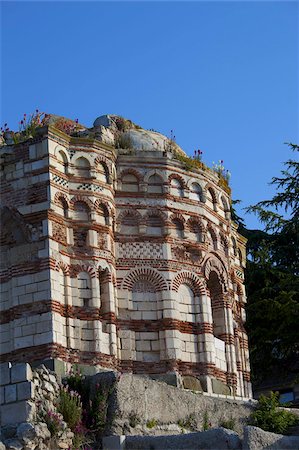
{"x":25,"y":390}
{"x":17,"y":412}
{"x":4,"y":374}
{"x":114,"y":442}
{"x":21,"y":372}
{"x":10,"y":393}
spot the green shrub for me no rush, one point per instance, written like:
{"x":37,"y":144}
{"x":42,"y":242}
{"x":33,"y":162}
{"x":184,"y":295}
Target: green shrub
{"x":151,"y":423}
{"x":69,"y":405}
{"x":268,"y":417}
{"x":189,"y":423}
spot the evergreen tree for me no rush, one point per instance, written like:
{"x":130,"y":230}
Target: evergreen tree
{"x":272,"y":278}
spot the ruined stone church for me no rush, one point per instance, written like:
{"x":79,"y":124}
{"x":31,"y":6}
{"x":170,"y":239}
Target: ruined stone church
{"x":118,"y":252}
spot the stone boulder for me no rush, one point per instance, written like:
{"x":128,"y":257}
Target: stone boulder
{"x":257,"y":439}
{"x":217,"y":438}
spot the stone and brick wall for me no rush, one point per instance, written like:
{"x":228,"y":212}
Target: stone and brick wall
{"x":121,"y":259}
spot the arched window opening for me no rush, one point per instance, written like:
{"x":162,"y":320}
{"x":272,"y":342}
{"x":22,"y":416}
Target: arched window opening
{"x":63,"y":162}
{"x":155,"y":225}
{"x":102,"y":173}
{"x":103,"y":215}
{"x":84,"y":289}
{"x":176,"y":188}
{"x":129,"y":224}
{"x":155,"y":184}
{"x":196,"y":233}
{"x":130,"y":183}
{"x":212,"y":239}
{"x":211,"y":199}
{"x":218,"y":312}
{"x":178,"y":228}
{"x":144,"y":302}
{"x":82,"y":168}
{"x":187,"y":307}
{"x":196,"y":192}
{"x":225,"y":205}
{"x":64,"y":207}
{"x":224,"y":245}
{"x":81,"y":211}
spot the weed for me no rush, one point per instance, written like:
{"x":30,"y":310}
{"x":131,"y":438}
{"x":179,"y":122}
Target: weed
{"x":206,"y":424}
{"x":229,"y":424}
{"x":151,"y":423}
{"x":188,"y":423}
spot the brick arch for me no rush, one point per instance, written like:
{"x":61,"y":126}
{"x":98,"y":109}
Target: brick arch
{"x":211,"y":189}
{"x":77,"y":268}
{"x":58,"y":149}
{"x":102,"y":203}
{"x":60,"y":195}
{"x":214,"y":264}
{"x":157,"y":212}
{"x":60,"y":265}
{"x":134,"y":172}
{"x":191,"y":280}
{"x":198,"y":222}
{"x":211,"y":229}
{"x":147,"y":274}
{"x":178,"y":216}
{"x":82,"y":154}
{"x":102,"y":160}
{"x":81,"y":198}
{"x":155,"y":172}
{"x":176,"y":176}
{"x":131,"y":212}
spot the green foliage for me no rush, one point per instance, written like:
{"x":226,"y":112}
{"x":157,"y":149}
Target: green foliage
{"x":206,"y":424}
{"x":229,"y":424}
{"x":268,"y":417}
{"x":151,"y":423}
{"x":272,"y":279}
{"x":189,"y":163}
{"x":188,"y":423}
{"x":69,"y":405}
{"x":98,"y":408}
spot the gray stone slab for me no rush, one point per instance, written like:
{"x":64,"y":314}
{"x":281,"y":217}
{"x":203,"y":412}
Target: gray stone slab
{"x":10,"y":393}
{"x":17,"y":412}
{"x":257,"y":439}
{"x":25,"y":390}
{"x":217,"y":438}
{"x":4,"y":374}
{"x":21,"y":372}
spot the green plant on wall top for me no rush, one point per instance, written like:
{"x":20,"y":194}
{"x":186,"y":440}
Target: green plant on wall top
{"x":269,"y":417}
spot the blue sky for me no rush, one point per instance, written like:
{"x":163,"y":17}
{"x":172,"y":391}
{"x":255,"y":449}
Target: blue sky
{"x":222,"y":75}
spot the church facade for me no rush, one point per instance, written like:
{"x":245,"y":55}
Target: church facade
{"x":119,"y":252}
